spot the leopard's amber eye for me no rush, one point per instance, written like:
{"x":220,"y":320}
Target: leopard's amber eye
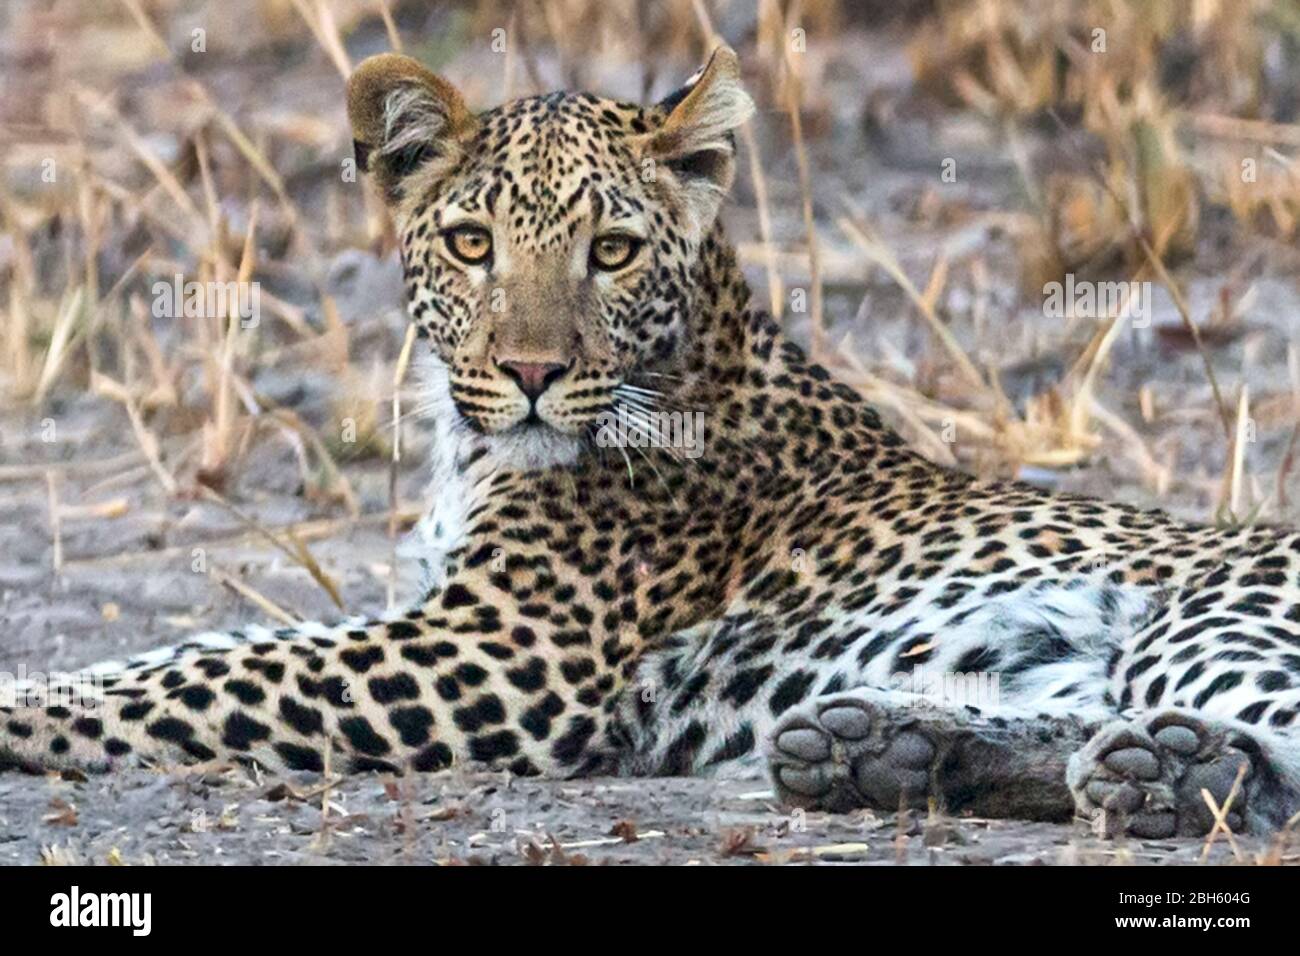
{"x":613,"y":251}
{"x":470,"y":244}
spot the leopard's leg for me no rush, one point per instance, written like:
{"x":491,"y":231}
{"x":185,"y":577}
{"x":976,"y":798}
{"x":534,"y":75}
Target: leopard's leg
{"x":886,"y":749}
{"x":1144,"y":776}
{"x":439,"y":685}
{"x":1039,"y":657}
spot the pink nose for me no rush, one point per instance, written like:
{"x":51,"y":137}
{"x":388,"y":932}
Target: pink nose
{"x":533,"y":378}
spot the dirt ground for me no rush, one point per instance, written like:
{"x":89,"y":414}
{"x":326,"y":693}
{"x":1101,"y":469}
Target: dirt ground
{"x":458,"y":817}
{"x":128,"y":565}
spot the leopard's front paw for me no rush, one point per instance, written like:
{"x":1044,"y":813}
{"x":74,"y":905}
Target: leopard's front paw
{"x":1144,"y":777}
{"x":850,"y":750}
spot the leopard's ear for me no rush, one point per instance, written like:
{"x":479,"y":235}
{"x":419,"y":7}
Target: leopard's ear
{"x":695,"y":141}
{"x":405,"y":120}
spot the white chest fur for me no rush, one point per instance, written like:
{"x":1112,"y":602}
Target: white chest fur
{"x":455,"y":487}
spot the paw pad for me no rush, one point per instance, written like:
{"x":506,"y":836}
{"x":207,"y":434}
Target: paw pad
{"x":850,"y":723}
{"x":1135,"y":762}
{"x":1179,"y":739}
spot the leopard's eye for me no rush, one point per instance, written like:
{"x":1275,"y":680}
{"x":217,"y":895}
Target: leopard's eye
{"x":613,"y":251}
{"x":470,"y":244}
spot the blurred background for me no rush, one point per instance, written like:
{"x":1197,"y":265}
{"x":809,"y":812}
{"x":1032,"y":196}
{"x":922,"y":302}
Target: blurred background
{"x":918,"y":172}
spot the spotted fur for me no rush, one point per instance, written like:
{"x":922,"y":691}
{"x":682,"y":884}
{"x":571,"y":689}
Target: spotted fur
{"x":612,"y":609}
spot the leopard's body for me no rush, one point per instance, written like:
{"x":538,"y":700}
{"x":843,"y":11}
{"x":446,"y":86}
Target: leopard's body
{"x":781,"y":598}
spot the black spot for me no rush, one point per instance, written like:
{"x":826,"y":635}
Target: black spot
{"x":241,"y":731}
{"x":1155,"y":690}
{"x":1251,"y":713}
{"x":91,"y":727}
{"x":402,"y":630}
{"x":679,"y":757}
{"x":412,"y":724}
{"x":1272,"y":680}
{"x":448,"y":687}
{"x":297,"y":757}
{"x":471,"y":674}
{"x":457,"y":595}
{"x":136,"y":711}
{"x":537,"y":719}
{"x":503,"y":743}
{"x":737,"y":745}
{"x":790,"y":691}
{"x":422,"y":654}
{"x":486,"y":710}
{"x":532,"y":676}
{"x":333,"y":689}
{"x":305,"y":720}
{"x":273,"y":671}
{"x":362,"y":736}
{"x":386,"y":690}
{"x":171,"y":729}
{"x":370,"y":765}
{"x":197,"y":697}
{"x":433,"y":757}
{"x":362,"y":659}
{"x":977,"y":660}
{"x":744,"y":684}
{"x":571,"y":746}
{"x":246,"y":692}
{"x":212,"y":667}
{"x":1221,"y":684}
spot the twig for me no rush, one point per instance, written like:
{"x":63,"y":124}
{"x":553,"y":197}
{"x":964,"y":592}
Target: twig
{"x":268,"y":607}
{"x":1221,"y":816}
{"x":399,"y":375}
{"x":883,"y":257}
{"x":56,"y":523}
{"x":293,"y":547}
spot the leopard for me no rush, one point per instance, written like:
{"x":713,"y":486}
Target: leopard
{"x":660,"y":539}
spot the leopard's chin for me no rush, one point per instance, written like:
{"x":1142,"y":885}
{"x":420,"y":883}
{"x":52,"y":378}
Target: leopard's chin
{"x":533,"y":446}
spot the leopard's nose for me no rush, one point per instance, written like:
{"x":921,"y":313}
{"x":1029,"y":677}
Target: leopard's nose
{"x":533,"y":378}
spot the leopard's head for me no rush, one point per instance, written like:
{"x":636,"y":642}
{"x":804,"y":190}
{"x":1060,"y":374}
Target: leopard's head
{"x":549,"y":245}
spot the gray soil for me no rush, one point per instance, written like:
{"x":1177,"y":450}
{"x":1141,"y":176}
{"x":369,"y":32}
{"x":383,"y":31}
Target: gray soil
{"x":466,"y":817}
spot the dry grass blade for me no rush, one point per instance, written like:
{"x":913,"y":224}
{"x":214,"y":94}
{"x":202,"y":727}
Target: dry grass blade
{"x":880,"y":255}
{"x":326,"y":32}
{"x":1193,"y":330}
{"x":227,"y":123}
{"x":70,"y":311}
{"x":56,"y":523}
{"x":304,"y":531}
{"x":775,"y":292}
{"x":394,"y":36}
{"x":1221,"y":816}
{"x":249,"y":593}
{"x":399,"y":376}
{"x":290,"y":545}
{"x":1231,"y":490}
{"x":149,"y":445}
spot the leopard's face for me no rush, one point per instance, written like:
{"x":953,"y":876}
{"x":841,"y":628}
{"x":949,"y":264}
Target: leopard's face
{"x":549,"y":245}
{"x":545,"y":271}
